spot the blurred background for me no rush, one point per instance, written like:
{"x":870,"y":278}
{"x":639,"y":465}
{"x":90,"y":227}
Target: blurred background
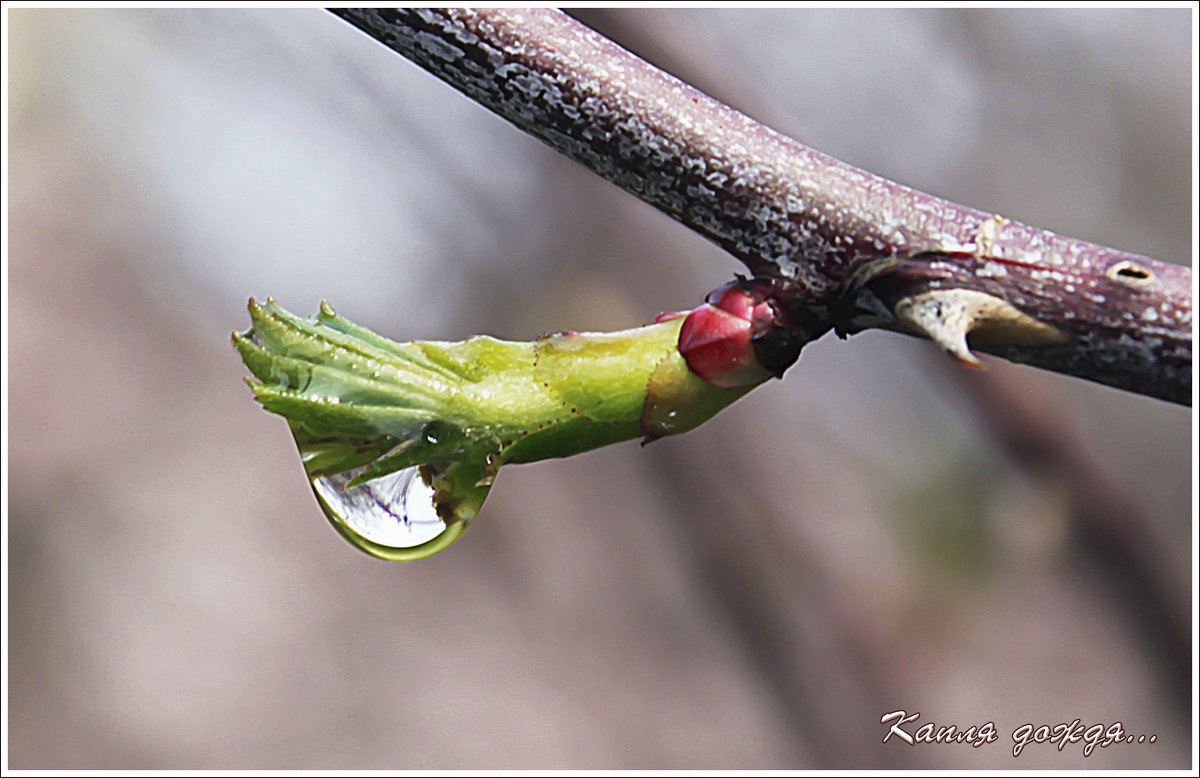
{"x":880,"y":531}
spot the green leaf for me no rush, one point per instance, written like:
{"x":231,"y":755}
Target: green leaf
{"x":402,"y":441}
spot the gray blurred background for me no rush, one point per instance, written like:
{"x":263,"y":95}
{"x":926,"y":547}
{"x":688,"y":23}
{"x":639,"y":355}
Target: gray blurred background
{"x":880,"y":531}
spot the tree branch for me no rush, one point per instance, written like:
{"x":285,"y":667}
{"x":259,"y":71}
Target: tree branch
{"x":849,"y":250}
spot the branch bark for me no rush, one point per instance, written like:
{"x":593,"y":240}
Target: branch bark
{"x":849,"y":250}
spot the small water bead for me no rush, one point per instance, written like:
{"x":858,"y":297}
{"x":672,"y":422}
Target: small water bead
{"x":394,"y":511}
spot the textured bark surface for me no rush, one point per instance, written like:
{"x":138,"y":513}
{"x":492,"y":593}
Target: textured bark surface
{"x":848,"y":244}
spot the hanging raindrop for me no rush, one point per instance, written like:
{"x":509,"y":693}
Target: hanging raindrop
{"x":393,"y":517}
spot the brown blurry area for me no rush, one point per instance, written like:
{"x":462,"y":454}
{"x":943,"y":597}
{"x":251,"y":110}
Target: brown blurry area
{"x":875,"y":533}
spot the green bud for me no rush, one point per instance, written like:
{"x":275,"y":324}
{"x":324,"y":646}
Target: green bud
{"x":402,"y":441}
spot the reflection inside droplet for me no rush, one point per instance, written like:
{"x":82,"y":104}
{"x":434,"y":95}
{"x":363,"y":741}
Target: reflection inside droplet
{"x":395,"y":510}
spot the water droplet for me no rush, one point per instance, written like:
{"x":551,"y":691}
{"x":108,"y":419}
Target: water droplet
{"x":391,"y":517}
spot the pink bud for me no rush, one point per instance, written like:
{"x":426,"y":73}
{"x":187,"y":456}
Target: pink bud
{"x":715,"y":341}
{"x":726,"y":340}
